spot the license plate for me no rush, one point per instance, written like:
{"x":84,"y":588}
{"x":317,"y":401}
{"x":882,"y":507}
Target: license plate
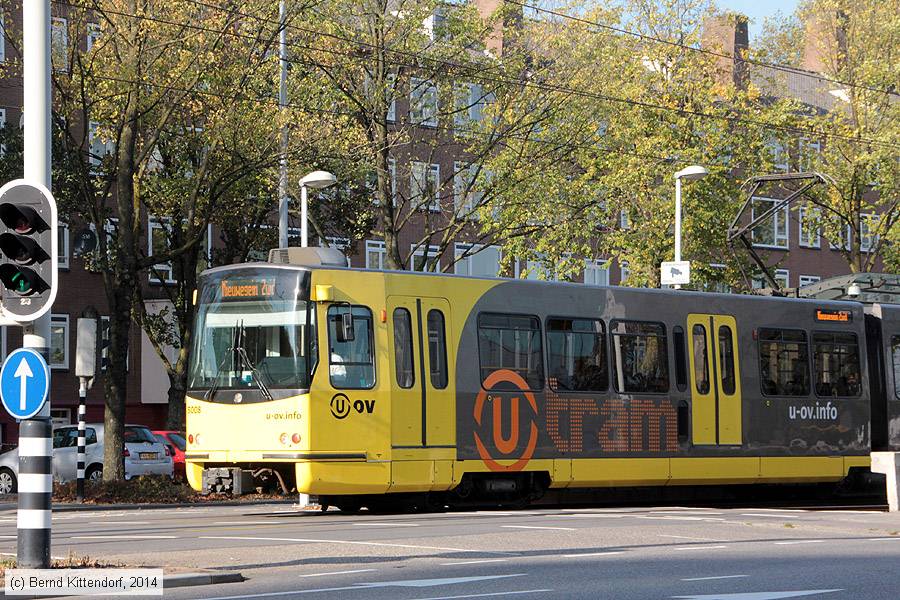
{"x":147,"y":455}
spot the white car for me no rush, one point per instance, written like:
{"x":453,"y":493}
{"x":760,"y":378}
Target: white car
{"x":143,"y":455}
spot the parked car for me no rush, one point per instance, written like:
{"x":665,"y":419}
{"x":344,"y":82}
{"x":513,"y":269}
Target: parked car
{"x":176,"y":443}
{"x":143,"y":455}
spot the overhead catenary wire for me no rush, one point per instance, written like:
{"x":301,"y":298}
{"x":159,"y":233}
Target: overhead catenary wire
{"x":657,"y":40}
{"x":476,"y":72}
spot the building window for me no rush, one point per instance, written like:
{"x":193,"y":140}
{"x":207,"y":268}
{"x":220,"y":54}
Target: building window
{"x":435,"y":24}
{"x":779,"y":155}
{"x":808,"y":280}
{"x":846,"y":234}
{"x":466,"y":198}
{"x":836,"y":360}
{"x":59,"y":43}
{"x":391,"y":94}
{"x":809,"y":152}
{"x":772,"y":232}
{"x":375,"y":255}
{"x":62,"y":231}
{"x":159,"y":230}
{"x":810,"y":233}
{"x":424,"y":258}
{"x":424,"y":185}
{"x":624,"y":221}
{"x":511,"y":342}
{"x":782,"y":276}
{"x":59,"y":341}
{"x":423,"y":102}
{"x":596,"y":271}
{"x":641,"y":357}
{"x":477,"y":260}
{"x":784,"y":362}
{"x":93,"y":35}
{"x":576,"y":356}
{"x":868,"y":239}
{"x":624,"y":272}
{"x":99,"y":148}
{"x":468,"y":105}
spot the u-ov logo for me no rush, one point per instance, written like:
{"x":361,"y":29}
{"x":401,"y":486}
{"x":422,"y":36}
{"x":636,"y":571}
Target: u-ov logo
{"x":505,"y":445}
{"x":340,"y":406}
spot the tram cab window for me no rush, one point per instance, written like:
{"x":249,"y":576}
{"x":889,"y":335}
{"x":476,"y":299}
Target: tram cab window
{"x":726,"y":360}
{"x":576,"y":357}
{"x":895,"y":363}
{"x":511,"y":342}
{"x":680,"y":358}
{"x":784,"y":362}
{"x":836,"y":359}
{"x":437,"y":349}
{"x":701,"y":359}
{"x":351,"y":362}
{"x":641,"y":357}
{"x":403,"y":349}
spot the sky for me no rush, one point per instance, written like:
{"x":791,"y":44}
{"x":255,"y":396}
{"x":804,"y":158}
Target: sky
{"x":758,"y":10}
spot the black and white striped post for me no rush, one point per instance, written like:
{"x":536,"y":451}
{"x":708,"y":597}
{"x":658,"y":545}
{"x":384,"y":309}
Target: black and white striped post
{"x":35,"y":492}
{"x":85,"y":369}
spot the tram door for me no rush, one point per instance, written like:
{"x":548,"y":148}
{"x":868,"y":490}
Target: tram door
{"x":715,"y":380}
{"x":422,"y":411}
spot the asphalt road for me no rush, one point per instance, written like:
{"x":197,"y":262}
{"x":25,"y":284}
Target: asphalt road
{"x":615,"y":553}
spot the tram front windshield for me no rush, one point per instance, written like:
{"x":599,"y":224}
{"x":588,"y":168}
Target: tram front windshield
{"x":255,"y":330}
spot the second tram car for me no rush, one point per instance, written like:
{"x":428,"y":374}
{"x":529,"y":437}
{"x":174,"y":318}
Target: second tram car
{"x":356,"y":386}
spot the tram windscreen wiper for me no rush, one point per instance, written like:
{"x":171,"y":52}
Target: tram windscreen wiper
{"x":241,"y":352}
{"x":214,"y":386}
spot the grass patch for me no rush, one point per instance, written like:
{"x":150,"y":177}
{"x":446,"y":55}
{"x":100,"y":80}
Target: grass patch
{"x":144,"y":490}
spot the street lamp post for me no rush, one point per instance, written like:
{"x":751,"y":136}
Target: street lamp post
{"x":692,"y":172}
{"x":317,"y":180}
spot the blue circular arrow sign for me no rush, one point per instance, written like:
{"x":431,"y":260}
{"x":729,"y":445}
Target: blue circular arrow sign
{"x":24,"y":383}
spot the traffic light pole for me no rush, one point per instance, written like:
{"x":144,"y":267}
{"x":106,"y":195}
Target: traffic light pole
{"x":34,"y":514}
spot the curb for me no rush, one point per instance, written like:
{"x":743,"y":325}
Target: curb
{"x":192,"y":579}
{"x":73,"y":507}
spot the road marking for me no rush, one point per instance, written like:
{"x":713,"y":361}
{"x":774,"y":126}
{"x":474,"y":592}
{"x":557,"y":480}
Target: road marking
{"x":757,"y":595}
{"x":408,"y":583}
{"x":712,"y":578}
{"x":387,"y":524}
{"x":673,"y":518}
{"x":799,"y":542}
{"x":687,"y":537}
{"x":890,"y":539}
{"x":699,"y":547}
{"x":473,"y":562}
{"x":350,"y":542}
{"x":537,"y":527}
{"x":595,"y":516}
{"x":767,"y":516}
{"x":123,"y":537}
{"x":338,"y":573}
{"x":512,"y":593}
{"x":9,"y":536}
{"x":117,"y":522}
{"x":239,"y":523}
{"x":589,"y":554}
{"x":678,"y":512}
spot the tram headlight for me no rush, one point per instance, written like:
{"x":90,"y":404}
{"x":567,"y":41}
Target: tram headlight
{"x":295,"y":438}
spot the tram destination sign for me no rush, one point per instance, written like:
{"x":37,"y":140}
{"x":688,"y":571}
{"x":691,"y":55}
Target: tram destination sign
{"x":247,"y":287}
{"x":834,"y":316}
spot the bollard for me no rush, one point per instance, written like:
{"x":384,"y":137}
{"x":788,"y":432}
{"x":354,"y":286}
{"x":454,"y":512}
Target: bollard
{"x":35,"y":493}
{"x":79,"y":467}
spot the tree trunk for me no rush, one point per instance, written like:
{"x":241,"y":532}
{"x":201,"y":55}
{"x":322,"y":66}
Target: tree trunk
{"x":116,"y":385}
{"x":177,"y":391}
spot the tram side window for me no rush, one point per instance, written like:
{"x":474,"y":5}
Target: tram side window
{"x":575,"y":355}
{"x":895,"y":362}
{"x":403,"y":349}
{"x":701,"y":359}
{"x":836,"y":357}
{"x":511,"y":342}
{"x":680,"y":358}
{"x":351,"y":363}
{"x":784,"y":362}
{"x":641,"y":357}
{"x":437,"y":349}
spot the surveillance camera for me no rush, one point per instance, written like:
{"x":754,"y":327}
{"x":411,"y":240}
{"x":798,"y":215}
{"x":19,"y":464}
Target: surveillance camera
{"x":853,"y":291}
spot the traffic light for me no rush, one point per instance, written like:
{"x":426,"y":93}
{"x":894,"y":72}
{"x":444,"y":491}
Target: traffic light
{"x":28,"y":250}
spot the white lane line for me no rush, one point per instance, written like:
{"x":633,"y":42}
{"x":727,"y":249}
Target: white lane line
{"x":473,"y":562}
{"x":117,"y":522}
{"x":238,"y":523}
{"x":678,"y":512}
{"x":123,"y":537}
{"x":598,"y":516}
{"x":673,"y":518}
{"x":9,"y":536}
{"x":591,"y":554}
{"x":776,"y":516}
{"x":712,"y":578}
{"x":888,"y":539}
{"x":799,"y":542}
{"x":512,"y":593}
{"x":538,"y":527}
{"x":699,"y":547}
{"x":687,"y":537}
{"x":349,"y":542}
{"x":338,"y":573}
{"x":372,"y":524}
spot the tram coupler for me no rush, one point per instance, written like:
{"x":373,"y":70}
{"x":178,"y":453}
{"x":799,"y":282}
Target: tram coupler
{"x":225,"y":480}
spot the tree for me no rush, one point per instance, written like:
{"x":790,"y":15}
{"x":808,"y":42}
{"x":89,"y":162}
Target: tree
{"x":852,"y":48}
